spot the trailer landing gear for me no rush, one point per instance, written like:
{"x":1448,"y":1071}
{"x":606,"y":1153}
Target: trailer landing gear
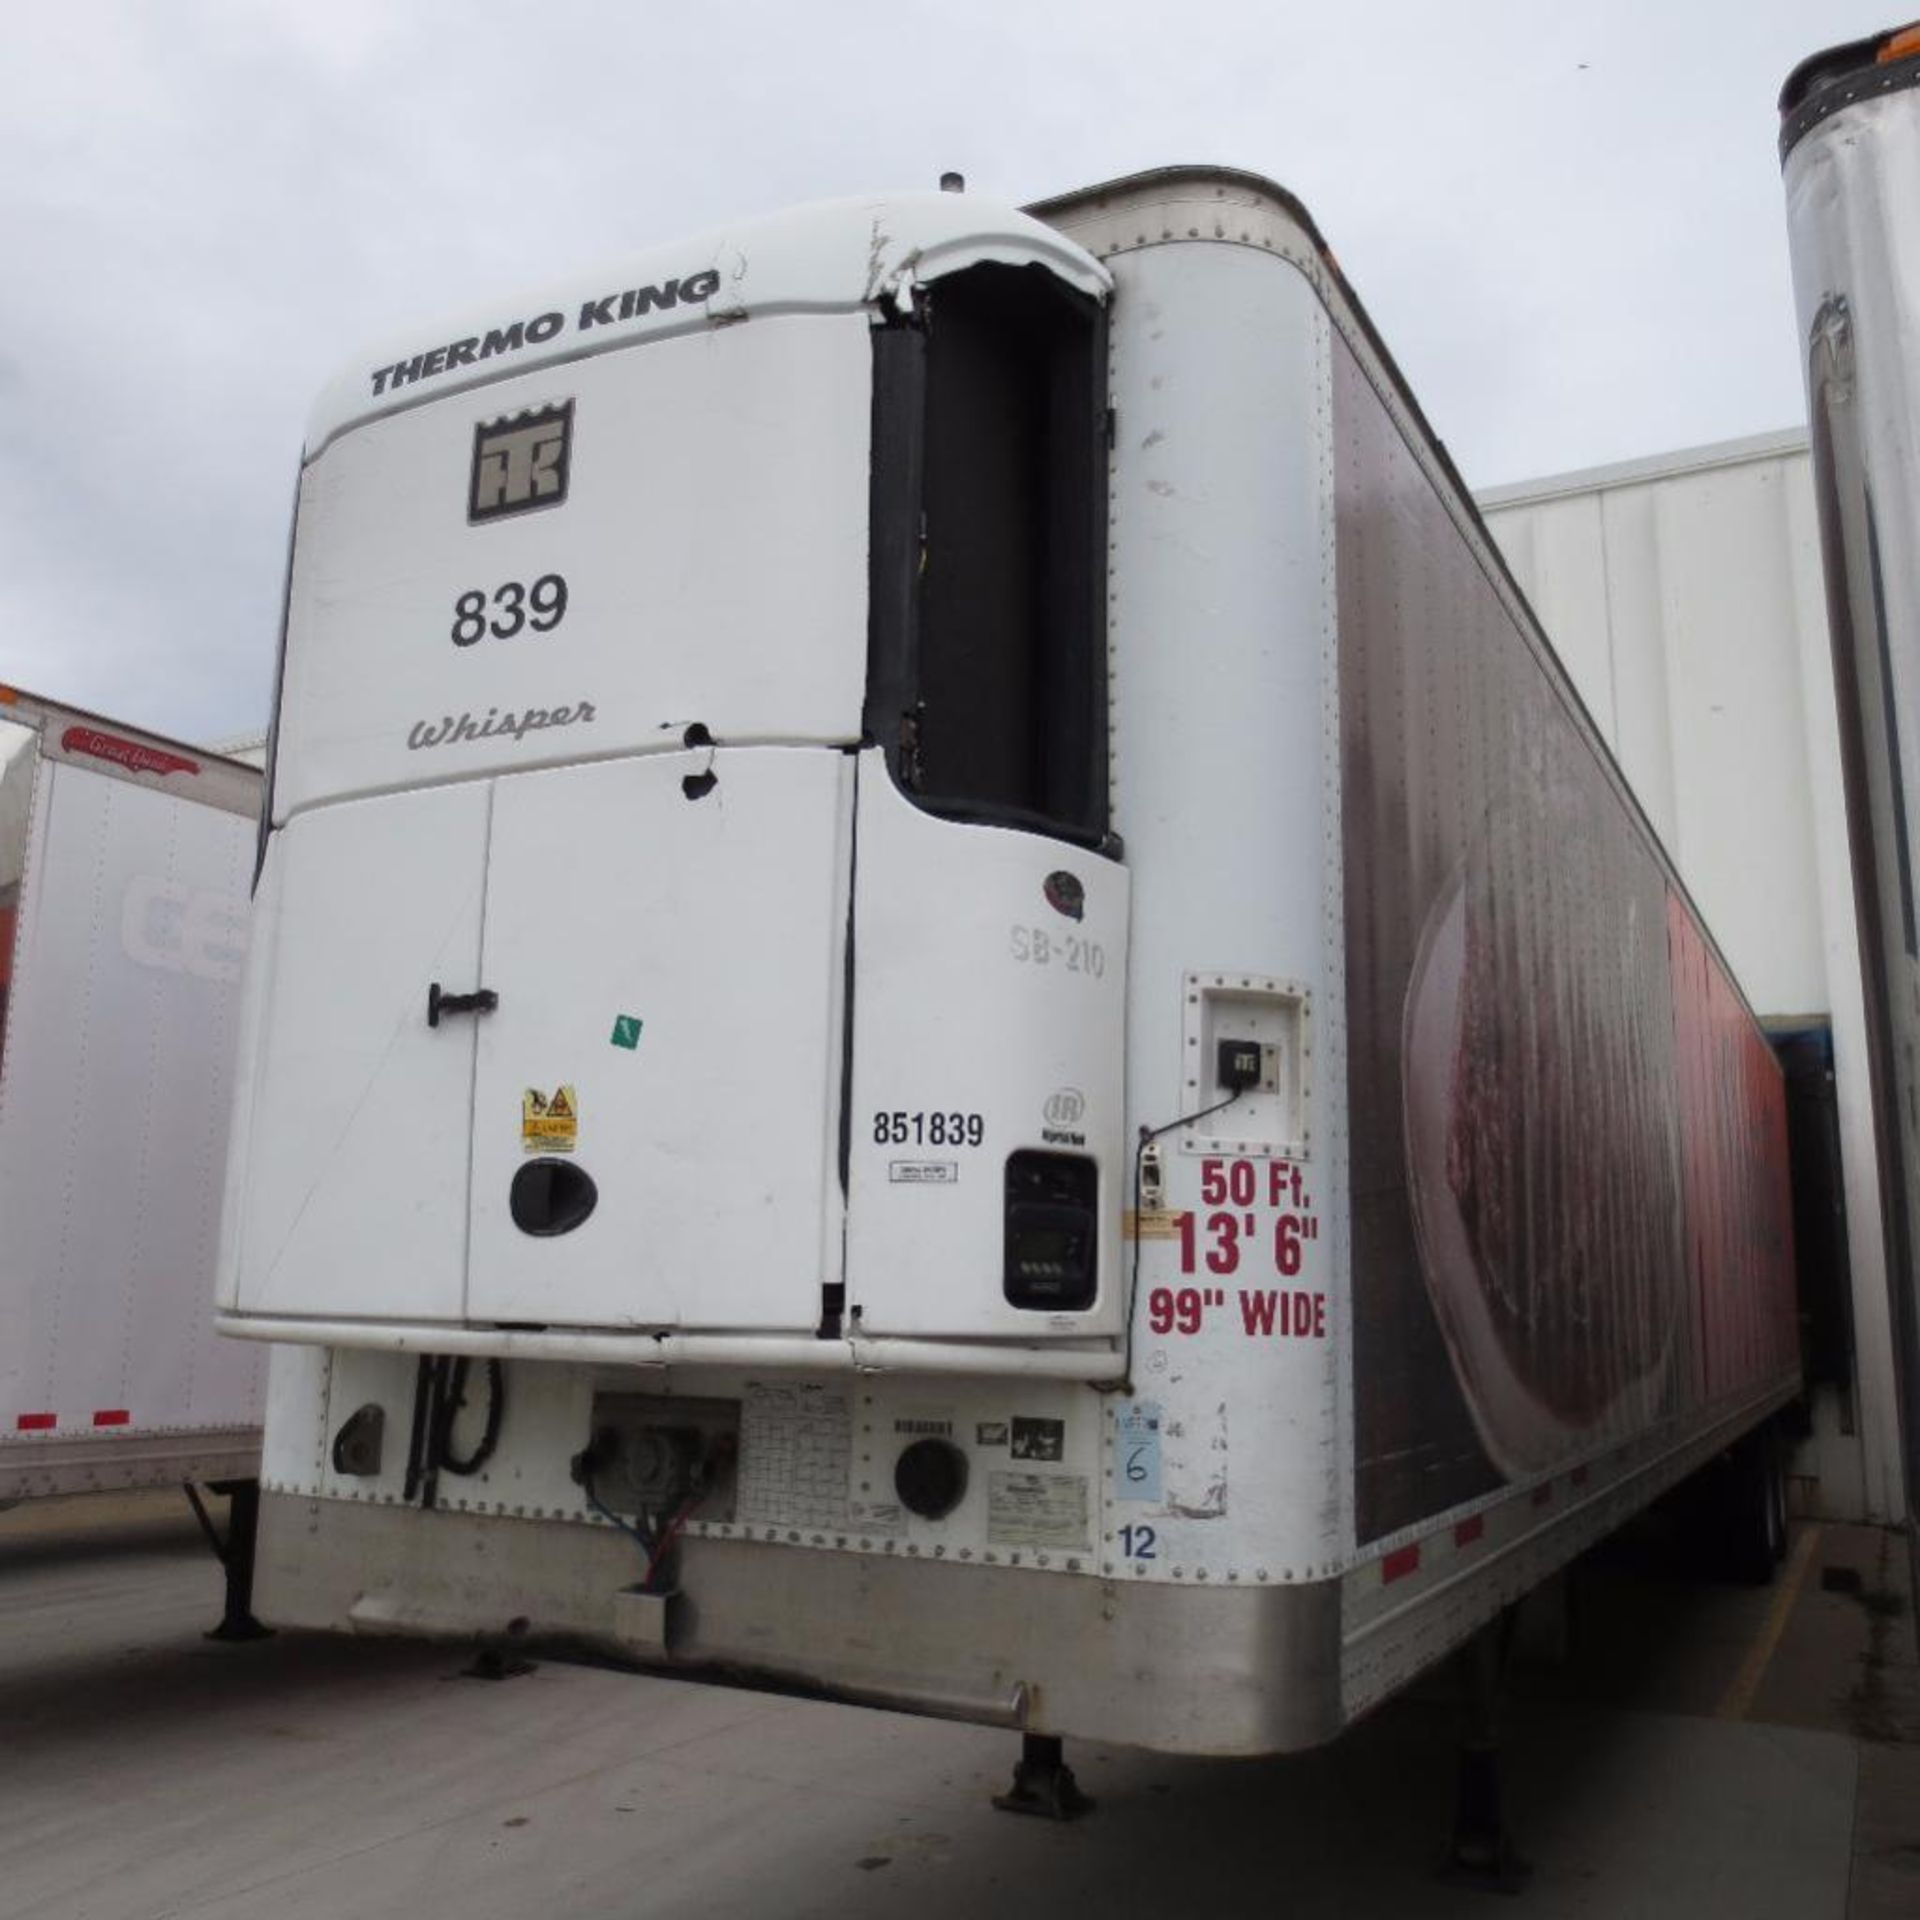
{"x":235,"y":1554}
{"x":1481,"y":1852}
{"x":1043,"y":1783}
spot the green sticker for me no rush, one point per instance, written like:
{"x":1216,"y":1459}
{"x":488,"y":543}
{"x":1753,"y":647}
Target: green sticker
{"x":626,"y":1031}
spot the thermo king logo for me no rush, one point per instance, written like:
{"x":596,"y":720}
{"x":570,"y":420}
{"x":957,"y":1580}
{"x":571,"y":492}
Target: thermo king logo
{"x":520,"y":463}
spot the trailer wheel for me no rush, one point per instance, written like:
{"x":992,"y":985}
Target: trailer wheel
{"x":1753,"y":1508}
{"x":1778,"y":1481}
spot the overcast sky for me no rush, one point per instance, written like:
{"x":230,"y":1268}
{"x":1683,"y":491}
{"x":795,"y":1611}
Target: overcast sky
{"x":1566,"y":220}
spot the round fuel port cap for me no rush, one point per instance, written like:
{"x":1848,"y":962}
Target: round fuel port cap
{"x":931,"y":1478}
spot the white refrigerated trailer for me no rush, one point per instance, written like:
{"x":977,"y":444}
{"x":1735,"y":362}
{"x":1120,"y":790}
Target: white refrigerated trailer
{"x":124,"y":865}
{"x":949,"y":1003}
{"x":1850,"y":150}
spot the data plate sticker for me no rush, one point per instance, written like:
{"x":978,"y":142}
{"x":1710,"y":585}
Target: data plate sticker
{"x":1037,"y":1509}
{"x":1136,"y":1452}
{"x":924,"y":1173}
{"x":925,"y":1423}
{"x":796,"y":1447}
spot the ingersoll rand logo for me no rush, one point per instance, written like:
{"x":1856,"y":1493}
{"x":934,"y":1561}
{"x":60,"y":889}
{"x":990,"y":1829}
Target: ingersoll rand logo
{"x":1065,"y":1108}
{"x":520,"y":463}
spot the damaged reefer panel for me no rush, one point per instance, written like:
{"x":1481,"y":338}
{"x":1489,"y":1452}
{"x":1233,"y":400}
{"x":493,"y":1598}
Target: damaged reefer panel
{"x":942,"y":976}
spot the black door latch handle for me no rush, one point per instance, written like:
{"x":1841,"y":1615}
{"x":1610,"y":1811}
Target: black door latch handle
{"x":482,"y":1000}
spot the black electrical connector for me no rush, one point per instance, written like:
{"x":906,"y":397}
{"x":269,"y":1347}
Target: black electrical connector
{"x":1239,"y":1066}
{"x":705,"y":1464}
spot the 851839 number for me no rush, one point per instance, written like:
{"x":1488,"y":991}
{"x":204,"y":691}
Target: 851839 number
{"x":937,"y":1129}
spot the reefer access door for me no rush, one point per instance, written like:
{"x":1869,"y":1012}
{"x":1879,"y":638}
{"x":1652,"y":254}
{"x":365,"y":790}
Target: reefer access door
{"x":674,"y":972}
{"x":357,"y":1110}
{"x":661,"y":967}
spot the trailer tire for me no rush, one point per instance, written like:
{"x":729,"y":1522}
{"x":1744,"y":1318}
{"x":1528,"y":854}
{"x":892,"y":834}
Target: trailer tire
{"x":1753,"y":1508}
{"x":1779,"y":1484}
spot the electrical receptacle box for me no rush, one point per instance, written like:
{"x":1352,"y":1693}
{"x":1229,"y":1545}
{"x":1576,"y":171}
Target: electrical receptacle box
{"x":1242,"y":1064}
{"x":652,"y":1452}
{"x":1247,"y":1035}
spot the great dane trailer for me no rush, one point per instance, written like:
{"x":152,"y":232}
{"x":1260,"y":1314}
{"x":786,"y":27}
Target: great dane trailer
{"x":948,"y":1002}
{"x":124,"y":863}
{"x":1850,"y":147}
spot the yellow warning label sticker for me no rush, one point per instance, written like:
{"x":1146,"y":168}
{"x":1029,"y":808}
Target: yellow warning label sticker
{"x":550,"y":1123}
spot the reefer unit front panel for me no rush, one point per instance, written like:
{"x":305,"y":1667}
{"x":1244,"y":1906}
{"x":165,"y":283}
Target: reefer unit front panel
{"x":588,"y":1001}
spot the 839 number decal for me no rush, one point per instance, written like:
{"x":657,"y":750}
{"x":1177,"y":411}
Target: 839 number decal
{"x":541,"y":607}
{"x":898,"y":1129}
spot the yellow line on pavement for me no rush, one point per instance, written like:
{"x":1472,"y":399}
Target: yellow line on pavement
{"x":1737,"y":1701}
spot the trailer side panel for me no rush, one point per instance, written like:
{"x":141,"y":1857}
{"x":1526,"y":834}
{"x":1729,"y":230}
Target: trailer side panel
{"x":1569,"y":1176}
{"x":113,"y":1124}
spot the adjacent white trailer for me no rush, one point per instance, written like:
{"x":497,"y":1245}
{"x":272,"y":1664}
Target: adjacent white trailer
{"x":948,"y":1002}
{"x":1850,"y":148}
{"x":124,"y":865}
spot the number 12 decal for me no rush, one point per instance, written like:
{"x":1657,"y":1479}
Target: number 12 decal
{"x":1138,"y":1543}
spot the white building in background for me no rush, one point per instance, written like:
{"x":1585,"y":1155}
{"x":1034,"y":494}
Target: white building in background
{"x":1684,"y":594}
{"x":249,"y":748}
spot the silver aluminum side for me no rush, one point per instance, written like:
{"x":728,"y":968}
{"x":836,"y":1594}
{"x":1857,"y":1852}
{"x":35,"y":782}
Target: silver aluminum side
{"x":1851,"y":156}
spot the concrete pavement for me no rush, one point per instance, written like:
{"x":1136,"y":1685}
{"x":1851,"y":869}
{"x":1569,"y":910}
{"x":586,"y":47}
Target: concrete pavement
{"x":146,"y":1772}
